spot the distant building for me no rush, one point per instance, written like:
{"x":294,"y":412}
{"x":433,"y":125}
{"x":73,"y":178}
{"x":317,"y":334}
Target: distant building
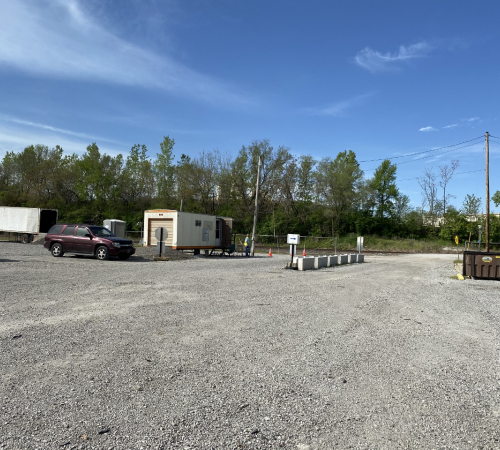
{"x":430,"y":221}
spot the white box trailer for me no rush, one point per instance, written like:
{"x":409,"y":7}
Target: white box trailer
{"x":26,"y":222}
{"x":188,"y":231}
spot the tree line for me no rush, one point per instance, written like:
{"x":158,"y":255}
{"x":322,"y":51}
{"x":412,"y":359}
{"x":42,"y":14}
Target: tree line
{"x":298,"y":194}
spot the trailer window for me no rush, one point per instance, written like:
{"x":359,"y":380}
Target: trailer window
{"x":217,"y":229}
{"x":69,"y":231}
{"x":56,"y":229}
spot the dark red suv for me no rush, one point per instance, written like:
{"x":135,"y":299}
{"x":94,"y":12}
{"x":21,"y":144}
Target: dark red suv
{"x":87,"y":240}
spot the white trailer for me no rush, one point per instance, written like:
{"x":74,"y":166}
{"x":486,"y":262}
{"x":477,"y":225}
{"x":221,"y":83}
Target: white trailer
{"x":188,"y":231}
{"x":26,"y":222}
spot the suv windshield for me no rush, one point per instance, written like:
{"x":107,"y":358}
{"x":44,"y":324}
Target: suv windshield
{"x":101,"y":232}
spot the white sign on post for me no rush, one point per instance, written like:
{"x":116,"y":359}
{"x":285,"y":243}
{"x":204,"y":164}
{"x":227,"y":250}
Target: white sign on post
{"x":161,"y":233}
{"x":293,"y":239}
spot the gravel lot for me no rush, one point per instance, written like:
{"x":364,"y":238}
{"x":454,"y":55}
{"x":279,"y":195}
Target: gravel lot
{"x":236,"y":353}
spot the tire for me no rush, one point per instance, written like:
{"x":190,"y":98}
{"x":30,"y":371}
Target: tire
{"x":102,"y":253}
{"x":26,"y":238}
{"x":56,"y":250}
{"x":124,"y":256}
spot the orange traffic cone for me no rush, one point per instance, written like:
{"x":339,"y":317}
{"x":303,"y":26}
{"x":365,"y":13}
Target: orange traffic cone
{"x":304,"y":252}
{"x":270,"y":252}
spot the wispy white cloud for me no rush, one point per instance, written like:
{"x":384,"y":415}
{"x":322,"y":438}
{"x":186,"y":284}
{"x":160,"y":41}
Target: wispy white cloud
{"x":426,"y":129}
{"x":15,"y":135}
{"x":58,"y":38}
{"x":375,"y":61}
{"x":58,"y":130}
{"x":339,"y":108}
{"x":467,"y":122}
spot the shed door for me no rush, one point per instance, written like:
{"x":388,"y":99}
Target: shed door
{"x":154,"y":224}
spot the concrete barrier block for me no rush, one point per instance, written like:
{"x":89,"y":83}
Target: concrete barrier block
{"x":296,"y":259}
{"x":333,"y":260}
{"x":320,"y":261}
{"x":343,"y":259}
{"x":361,"y":258}
{"x":353,"y":258}
{"x":306,"y":263}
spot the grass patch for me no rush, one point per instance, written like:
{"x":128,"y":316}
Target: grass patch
{"x":457,"y":261}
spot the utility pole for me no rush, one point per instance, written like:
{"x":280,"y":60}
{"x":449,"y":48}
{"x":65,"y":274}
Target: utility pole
{"x":487,"y":228}
{"x":256,"y":209}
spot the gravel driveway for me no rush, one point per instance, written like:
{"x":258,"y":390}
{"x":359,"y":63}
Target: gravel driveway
{"x":237,"y":353}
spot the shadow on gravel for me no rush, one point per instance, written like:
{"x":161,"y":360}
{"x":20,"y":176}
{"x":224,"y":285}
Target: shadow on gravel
{"x":9,"y":260}
{"x":136,"y":259}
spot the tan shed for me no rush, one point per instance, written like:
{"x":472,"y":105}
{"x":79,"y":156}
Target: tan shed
{"x":188,"y":231}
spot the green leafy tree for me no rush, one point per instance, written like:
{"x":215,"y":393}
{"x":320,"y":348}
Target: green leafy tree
{"x":471,"y":205}
{"x":244,"y":170}
{"x":496,"y":198}
{"x":455,"y":224}
{"x":136,"y":187}
{"x":385,"y":191}
{"x":337,"y":188}
{"x":97,"y":185}
{"x":34,"y":177}
{"x":470,"y":209}
{"x":305,"y":178}
{"x":164,"y":173}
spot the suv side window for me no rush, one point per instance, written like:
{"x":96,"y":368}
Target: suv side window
{"x":69,"y":231}
{"x":82,"y":231}
{"x":56,"y":229}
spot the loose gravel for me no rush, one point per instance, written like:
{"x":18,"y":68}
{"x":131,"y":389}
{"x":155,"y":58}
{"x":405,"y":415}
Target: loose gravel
{"x":237,"y":353}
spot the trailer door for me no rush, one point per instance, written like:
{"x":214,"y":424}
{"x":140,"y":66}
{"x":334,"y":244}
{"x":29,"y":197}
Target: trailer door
{"x":48,"y":217}
{"x":218,"y":224}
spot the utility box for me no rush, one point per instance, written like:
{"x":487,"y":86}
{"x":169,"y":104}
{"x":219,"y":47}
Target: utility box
{"x":293,"y":239}
{"x":188,"y":231}
{"x":117,"y":227}
{"x":481,"y":265}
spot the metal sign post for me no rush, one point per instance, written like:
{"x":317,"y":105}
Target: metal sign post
{"x":293,"y":240}
{"x":140,"y":225}
{"x":161,"y":234}
{"x":360,"y":243}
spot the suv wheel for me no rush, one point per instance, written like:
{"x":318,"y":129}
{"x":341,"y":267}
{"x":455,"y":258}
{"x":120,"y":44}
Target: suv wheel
{"x":56,"y":250}
{"x":102,"y":253}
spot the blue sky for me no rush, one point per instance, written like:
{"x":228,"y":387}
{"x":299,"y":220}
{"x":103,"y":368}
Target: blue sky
{"x":383,"y":79}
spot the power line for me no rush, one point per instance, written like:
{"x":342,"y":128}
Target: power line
{"x":426,"y":151}
{"x":431,"y":156}
{"x":458,"y":173}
